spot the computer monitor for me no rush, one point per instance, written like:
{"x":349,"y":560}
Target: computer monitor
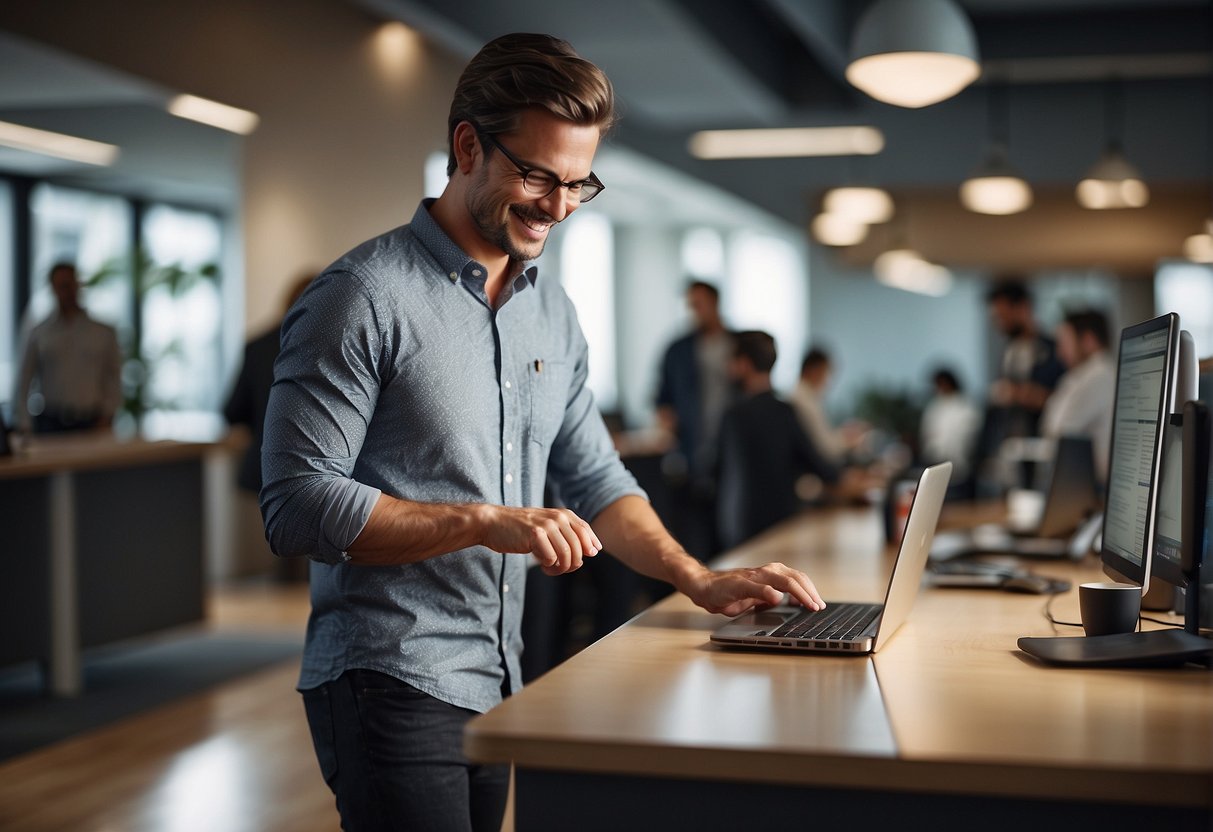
{"x":1145,"y":389}
{"x":1182,"y":533}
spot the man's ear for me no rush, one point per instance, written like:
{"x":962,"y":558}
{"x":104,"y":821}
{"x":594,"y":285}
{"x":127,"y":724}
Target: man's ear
{"x":467,"y":147}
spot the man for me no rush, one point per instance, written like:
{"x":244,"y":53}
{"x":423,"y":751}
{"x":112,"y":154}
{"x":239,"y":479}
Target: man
{"x":1083,"y":402}
{"x":693,"y":393}
{"x":1029,"y":368}
{"x":71,"y":367}
{"x":246,"y":405}
{"x":1028,"y":371}
{"x":763,"y":448}
{"x":808,"y":399}
{"x":695,"y":389}
{"x":430,"y":382}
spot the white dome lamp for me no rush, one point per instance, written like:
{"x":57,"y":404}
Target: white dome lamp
{"x":995,"y":188}
{"x":913,"y":53}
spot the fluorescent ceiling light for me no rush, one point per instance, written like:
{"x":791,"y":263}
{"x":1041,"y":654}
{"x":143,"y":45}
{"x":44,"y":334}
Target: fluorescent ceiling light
{"x":786,"y":141}
{"x":59,"y":145}
{"x":232,"y":119}
{"x":862,"y":204}
{"x":913,"y":53}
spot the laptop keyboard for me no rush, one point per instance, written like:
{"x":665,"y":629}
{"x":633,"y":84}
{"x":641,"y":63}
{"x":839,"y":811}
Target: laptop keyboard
{"x":840,"y":621}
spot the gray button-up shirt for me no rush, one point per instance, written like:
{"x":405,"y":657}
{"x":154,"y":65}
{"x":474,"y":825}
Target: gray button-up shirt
{"x":397,"y":376}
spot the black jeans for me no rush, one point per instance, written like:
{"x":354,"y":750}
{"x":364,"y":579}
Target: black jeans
{"x":393,"y":756}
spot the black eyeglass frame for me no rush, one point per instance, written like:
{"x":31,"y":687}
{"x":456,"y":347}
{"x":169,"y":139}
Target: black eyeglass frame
{"x":526,"y":170}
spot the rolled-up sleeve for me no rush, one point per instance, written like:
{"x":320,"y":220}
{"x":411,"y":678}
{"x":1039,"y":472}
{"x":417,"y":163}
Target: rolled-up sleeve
{"x":326,"y":385}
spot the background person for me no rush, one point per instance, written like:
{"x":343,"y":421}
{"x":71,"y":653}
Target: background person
{"x":693,"y":393}
{"x":1082,"y":403}
{"x":71,"y":366}
{"x":764,"y":450}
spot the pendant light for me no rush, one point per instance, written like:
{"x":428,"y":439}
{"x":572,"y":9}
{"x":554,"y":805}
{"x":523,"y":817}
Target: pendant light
{"x":1113,"y":181}
{"x":913,"y":53}
{"x":995,"y":187}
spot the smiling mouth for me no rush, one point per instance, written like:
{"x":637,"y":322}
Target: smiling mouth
{"x":535,"y":224}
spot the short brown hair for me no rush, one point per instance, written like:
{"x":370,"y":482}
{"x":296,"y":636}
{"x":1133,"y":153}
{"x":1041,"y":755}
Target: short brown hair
{"x":516,"y":72}
{"x":756,"y":346}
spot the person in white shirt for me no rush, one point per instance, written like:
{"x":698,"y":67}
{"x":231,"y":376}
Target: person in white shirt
{"x":1081,"y":405}
{"x":808,"y":399}
{"x":950,"y":423}
{"x":71,"y":366}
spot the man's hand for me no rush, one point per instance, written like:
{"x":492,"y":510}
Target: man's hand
{"x":735,"y":591}
{"x":556,"y":537}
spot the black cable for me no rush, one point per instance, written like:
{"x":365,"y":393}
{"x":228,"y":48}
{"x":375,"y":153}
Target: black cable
{"x":1048,"y":611}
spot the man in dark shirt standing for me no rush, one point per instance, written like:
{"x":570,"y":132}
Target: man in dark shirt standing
{"x":431,"y":383}
{"x":763,"y":448}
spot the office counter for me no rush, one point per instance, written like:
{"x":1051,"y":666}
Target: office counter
{"x":653,"y":727}
{"x":103,"y":540}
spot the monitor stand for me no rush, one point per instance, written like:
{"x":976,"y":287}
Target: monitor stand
{"x":1155,"y":648}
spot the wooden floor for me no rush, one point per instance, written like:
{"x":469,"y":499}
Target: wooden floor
{"x":235,"y":759}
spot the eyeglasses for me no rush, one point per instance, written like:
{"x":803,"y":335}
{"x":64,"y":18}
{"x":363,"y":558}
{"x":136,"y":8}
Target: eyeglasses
{"x":543,"y":183}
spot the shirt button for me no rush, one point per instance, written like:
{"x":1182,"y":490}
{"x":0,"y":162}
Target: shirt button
{"x":509,"y":446}
{"x":476,"y":272}
{"x":509,"y":478}
{"x":507,"y":385}
{"x":454,"y":276}
{"x":505,"y":588}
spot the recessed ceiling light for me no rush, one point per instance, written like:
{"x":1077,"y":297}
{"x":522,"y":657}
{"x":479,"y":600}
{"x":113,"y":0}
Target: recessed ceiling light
{"x":223,"y":116}
{"x":786,"y":142}
{"x":59,"y":145}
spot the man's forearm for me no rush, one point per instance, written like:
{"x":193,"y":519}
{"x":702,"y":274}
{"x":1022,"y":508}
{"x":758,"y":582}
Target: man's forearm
{"x":404,"y":531}
{"x":631,"y":531}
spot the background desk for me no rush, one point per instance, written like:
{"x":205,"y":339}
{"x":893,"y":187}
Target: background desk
{"x":653,"y":727}
{"x":103,"y":540}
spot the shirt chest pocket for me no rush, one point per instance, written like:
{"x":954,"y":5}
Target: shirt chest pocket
{"x":549,"y":391}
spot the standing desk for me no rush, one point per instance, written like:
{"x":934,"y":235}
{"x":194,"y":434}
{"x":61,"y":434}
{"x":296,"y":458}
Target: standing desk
{"x":949,"y":725}
{"x":103,"y":540}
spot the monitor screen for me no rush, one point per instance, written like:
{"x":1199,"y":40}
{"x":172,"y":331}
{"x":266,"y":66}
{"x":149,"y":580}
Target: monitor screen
{"x":1144,"y":388}
{"x":1179,"y":442}
{"x":1168,"y":529}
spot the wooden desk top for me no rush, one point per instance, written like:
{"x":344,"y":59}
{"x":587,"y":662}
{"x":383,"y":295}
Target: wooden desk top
{"x":87,"y":451}
{"x":949,"y":704}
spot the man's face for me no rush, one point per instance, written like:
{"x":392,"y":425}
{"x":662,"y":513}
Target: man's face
{"x":65,"y":286}
{"x":1069,"y":347}
{"x":508,"y":217}
{"x":703,"y":306}
{"x":1008,"y":316}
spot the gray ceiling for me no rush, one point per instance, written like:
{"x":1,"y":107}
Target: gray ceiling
{"x":686,"y":65}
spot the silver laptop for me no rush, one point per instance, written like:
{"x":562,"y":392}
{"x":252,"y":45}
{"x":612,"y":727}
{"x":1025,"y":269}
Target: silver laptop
{"x":1065,"y":527}
{"x":854,"y":628}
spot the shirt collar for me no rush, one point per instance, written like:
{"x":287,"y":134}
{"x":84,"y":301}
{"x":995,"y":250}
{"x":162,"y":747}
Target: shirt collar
{"x":455,"y":264}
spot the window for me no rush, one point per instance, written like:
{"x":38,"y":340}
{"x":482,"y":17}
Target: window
{"x":93,"y":231}
{"x":765,"y":288}
{"x":435,"y":174}
{"x":703,"y":254}
{"x":587,"y":268}
{"x":180,"y":310}
{"x":1187,"y":288}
